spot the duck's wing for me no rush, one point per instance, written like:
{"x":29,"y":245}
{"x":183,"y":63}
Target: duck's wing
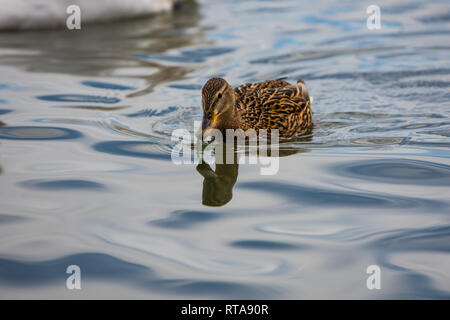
{"x":287,"y":109}
{"x":250,"y":98}
{"x":249,"y":89}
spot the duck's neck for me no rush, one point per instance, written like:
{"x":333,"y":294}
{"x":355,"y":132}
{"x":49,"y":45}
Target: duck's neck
{"x":231,"y":120}
{"x":235,"y":118}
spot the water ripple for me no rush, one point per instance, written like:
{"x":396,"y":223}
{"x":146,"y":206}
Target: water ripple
{"x":93,"y":266}
{"x":378,"y":76}
{"x":399,"y":171}
{"x":8,"y":218}
{"x":186,"y":86}
{"x":394,"y":248}
{"x":217,"y":289}
{"x":198,"y":55}
{"x":138,"y":149}
{"x":38,"y":133}
{"x":263,"y":245}
{"x":103,"y":267}
{"x":105,"y":85}
{"x":63,"y":184}
{"x":317,"y":55}
{"x":322,"y":197}
{"x":152,"y":113}
{"x":434,"y":238}
{"x":78,"y":98}
{"x":181,"y":219}
{"x":188,"y":254}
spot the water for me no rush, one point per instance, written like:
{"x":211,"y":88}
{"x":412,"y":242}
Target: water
{"x":86,"y":177}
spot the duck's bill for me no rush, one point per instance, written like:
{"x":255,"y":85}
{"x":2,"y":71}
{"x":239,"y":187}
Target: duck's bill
{"x":205,"y":134}
{"x":206,"y":124}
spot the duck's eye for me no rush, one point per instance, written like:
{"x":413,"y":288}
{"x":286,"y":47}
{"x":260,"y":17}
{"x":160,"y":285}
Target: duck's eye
{"x":219,"y":95}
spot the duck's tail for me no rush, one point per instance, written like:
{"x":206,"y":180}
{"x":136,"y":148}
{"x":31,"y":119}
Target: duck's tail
{"x":304,"y":91}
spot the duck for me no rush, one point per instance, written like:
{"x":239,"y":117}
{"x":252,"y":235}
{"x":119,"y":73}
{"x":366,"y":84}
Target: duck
{"x":272,"y":104}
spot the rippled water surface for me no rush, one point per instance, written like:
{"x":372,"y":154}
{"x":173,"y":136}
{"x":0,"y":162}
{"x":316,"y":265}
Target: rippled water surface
{"x":86,"y":175}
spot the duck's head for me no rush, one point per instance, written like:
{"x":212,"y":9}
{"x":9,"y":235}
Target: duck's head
{"x":218,"y":104}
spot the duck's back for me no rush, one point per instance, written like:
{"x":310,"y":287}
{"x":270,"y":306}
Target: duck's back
{"x":274,"y":104}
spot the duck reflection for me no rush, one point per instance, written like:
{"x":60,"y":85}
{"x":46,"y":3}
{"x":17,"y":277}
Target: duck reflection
{"x":218,"y":184}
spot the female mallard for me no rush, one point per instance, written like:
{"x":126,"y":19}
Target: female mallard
{"x":272,"y":104}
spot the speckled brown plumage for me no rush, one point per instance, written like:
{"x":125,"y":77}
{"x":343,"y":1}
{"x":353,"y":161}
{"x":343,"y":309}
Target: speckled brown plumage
{"x":272,"y":104}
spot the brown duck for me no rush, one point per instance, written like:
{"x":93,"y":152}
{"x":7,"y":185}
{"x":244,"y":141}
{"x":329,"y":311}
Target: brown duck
{"x":272,"y":104}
